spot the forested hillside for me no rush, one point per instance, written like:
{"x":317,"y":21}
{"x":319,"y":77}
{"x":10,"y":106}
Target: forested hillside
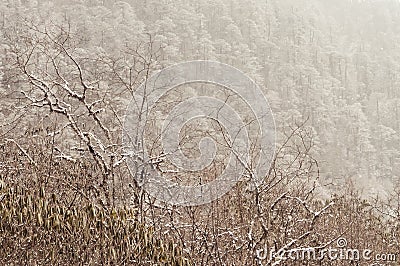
{"x":334,"y":63}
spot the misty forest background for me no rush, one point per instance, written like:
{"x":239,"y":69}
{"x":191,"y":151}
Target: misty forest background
{"x":330,"y":70}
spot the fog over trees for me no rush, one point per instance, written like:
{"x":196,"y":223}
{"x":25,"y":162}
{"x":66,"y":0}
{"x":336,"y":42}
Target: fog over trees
{"x":330,"y":70}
